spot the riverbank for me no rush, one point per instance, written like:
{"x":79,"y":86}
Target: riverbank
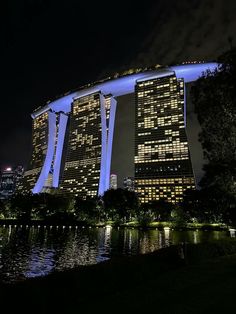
{"x":202,"y":282}
{"x":133,"y":224}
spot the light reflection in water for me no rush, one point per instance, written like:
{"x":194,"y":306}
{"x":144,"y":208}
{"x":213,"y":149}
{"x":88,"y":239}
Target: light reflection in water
{"x":9,"y":233}
{"x":167,"y":235}
{"x":232,"y":233}
{"x":107,"y":237}
{"x":195,"y":238}
{"x":36,"y":251}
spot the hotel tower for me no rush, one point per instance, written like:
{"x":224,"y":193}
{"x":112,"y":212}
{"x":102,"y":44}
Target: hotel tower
{"x":133,"y":124}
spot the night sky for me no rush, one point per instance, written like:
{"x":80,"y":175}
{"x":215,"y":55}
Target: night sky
{"x":52,"y":46}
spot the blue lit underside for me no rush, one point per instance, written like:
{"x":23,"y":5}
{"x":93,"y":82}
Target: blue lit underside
{"x":102,"y":178}
{"x":191,"y":72}
{"x":110,"y":141}
{"x":125,"y":85}
{"x":60,"y":143}
{"x":49,"y":155}
{"x":107,"y":139}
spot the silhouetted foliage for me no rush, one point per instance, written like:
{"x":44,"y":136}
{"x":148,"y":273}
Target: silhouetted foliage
{"x":178,"y":217}
{"x":208,"y":205}
{"x":214,"y":98}
{"x":191,"y":204}
{"x":88,"y":210}
{"x":160,"y":209}
{"x":120,"y":203}
{"x":21,"y":206}
{"x":3,"y":206}
{"x":144,"y":216}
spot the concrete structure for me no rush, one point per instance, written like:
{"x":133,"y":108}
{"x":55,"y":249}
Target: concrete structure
{"x":75,"y":137}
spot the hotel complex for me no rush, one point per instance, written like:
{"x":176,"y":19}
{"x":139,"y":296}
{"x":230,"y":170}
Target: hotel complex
{"x":133,"y":125}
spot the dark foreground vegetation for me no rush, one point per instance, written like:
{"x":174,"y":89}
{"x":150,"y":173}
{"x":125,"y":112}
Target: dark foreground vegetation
{"x":202,"y":282}
{"x":121,"y":208}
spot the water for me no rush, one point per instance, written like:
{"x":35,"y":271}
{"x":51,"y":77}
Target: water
{"x":37,"y":251}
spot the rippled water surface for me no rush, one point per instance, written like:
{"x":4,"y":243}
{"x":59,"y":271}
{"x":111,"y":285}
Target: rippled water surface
{"x":36,"y":251}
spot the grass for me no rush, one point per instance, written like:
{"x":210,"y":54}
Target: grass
{"x":159,"y":282}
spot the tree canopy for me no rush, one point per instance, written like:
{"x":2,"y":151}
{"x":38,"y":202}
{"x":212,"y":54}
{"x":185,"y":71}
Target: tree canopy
{"x":214,"y":98}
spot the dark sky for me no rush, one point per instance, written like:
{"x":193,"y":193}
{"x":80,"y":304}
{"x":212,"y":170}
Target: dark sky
{"x":52,"y":46}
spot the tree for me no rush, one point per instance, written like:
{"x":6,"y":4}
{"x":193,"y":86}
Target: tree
{"x":214,"y":98}
{"x":21,"y":206}
{"x":144,"y":216}
{"x":120,"y":203}
{"x":161,"y":209}
{"x":87,"y":210}
{"x":191,"y":204}
{"x":208,"y":205}
{"x":178,"y":217}
{"x":2,"y":209}
{"x":59,"y":208}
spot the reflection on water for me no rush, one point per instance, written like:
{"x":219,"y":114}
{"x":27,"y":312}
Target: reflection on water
{"x":232,"y":233}
{"x":36,"y":251}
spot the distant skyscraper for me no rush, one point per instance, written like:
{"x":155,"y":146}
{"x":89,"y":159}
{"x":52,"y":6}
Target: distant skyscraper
{"x":162,"y":161}
{"x":73,"y":136}
{"x":9,"y":181}
{"x":129,"y":183}
{"x":113,"y":181}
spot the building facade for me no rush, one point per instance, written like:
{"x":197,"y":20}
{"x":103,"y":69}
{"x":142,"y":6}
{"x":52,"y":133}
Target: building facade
{"x":9,"y":181}
{"x":73,"y":136}
{"x":162,"y":160}
{"x":39,"y":148}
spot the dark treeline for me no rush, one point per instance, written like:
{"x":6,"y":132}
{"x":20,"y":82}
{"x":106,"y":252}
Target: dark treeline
{"x":214,"y":99}
{"x":121,"y":206}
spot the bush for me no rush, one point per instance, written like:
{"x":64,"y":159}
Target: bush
{"x":145,"y":218}
{"x":178,"y":218}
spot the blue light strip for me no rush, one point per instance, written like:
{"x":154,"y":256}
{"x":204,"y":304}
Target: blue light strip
{"x":185,"y":107}
{"x":110,"y":140}
{"x":191,"y":72}
{"x":102,"y":180}
{"x":49,"y":155}
{"x":125,"y":85}
{"x":60,"y":143}
{"x":156,"y":75}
